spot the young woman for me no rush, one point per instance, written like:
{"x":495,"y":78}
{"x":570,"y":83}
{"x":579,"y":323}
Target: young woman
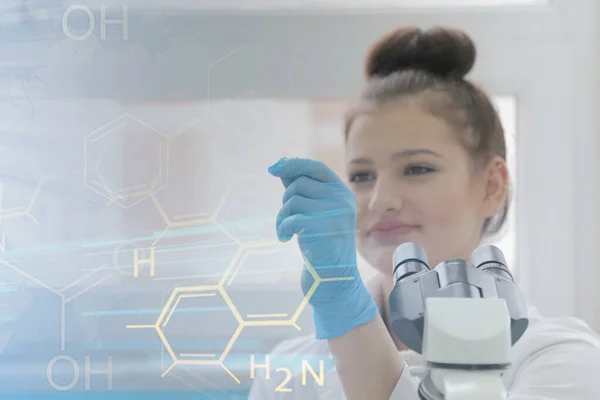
{"x":426,"y":162}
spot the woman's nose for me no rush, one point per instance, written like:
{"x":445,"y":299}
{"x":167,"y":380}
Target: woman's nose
{"x":386,"y":196}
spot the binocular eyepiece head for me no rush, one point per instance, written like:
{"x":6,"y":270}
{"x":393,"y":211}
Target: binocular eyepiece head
{"x":411,"y":258}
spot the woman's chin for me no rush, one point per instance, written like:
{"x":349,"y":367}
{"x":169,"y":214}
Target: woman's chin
{"x":379,"y":257}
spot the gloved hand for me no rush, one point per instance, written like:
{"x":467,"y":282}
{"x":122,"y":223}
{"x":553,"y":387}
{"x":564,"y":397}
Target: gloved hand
{"x":321,"y":210}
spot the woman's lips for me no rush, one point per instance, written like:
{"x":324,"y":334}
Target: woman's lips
{"x":386,"y":231}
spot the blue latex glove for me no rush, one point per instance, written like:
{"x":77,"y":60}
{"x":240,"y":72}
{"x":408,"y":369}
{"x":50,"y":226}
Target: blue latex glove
{"x":321,"y":210}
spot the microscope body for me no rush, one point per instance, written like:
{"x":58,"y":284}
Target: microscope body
{"x":463,"y":316}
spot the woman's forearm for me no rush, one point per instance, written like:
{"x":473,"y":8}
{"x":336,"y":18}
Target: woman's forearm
{"x":368,"y":362}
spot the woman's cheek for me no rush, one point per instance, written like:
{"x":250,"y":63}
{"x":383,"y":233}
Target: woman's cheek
{"x":362,"y":212}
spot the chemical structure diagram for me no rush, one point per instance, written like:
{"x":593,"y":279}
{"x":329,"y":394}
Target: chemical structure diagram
{"x":66,"y":293}
{"x":221,"y":290}
{"x":95,"y":164}
{"x":99,"y":178}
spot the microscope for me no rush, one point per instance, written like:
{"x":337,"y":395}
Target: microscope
{"x":463,"y":316}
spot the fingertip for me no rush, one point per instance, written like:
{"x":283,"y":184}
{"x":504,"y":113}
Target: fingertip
{"x":273,"y":168}
{"x":285,"y":239}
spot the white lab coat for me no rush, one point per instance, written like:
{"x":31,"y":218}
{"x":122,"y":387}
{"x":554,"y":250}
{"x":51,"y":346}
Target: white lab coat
{"x":556,"y":359}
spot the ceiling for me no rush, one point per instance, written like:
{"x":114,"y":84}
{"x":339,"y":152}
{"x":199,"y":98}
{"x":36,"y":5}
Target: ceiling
{"x":306,"y":5}
{"x":18,"y":11}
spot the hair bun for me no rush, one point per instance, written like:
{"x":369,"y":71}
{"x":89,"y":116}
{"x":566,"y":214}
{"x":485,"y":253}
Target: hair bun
{"x":445,"y":52}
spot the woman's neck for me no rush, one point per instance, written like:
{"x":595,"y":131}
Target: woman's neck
{"x":380,"y":287}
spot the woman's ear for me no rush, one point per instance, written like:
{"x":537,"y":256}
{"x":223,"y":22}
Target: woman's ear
{"x":497,"y":180}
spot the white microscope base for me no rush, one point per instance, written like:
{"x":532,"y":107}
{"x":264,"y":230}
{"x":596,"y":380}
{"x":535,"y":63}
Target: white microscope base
{"x":460,"y":385}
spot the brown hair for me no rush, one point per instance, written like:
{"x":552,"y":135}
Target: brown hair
{"x":430,"y":67}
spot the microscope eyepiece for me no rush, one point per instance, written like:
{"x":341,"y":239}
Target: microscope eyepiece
{"x":491,"y":259}
{"x":409,"y":259}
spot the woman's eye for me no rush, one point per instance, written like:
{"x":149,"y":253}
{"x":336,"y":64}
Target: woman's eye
{"x":361,"y":177}
{"x":418,"y":170}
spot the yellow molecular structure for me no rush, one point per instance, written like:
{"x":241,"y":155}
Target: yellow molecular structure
{"x":221,"y":289}
{"x":234,"y":268}
{"x":263,"y":250}
{"x":193,"y":358}
{"x":196,"y":220}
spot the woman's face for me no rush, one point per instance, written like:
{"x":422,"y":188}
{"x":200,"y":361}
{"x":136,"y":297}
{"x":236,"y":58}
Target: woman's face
{"x":414,"y":182}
